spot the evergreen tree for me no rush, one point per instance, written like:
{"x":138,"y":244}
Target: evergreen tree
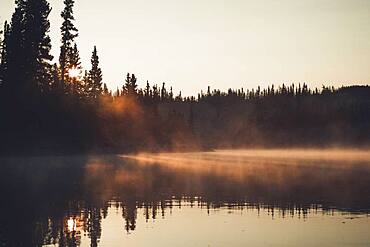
{"x":69,"y":33}
{"x":171,"y":94}
{"x":179,"y":97}
{"x":3,"y":53}
{"x":85,"y":84}
{"x":163,"y":92}
{"x":13,"y":74}
{"x":56,"y":84}
{"x":105,"y":90}
{"x":95,"y":76}
{"x":155,"y":93}
{"x":74,"y":81}
{"x":133,"y":88}
{"x":37,"y":44}
{"x":147,"y":91}
{"x":74,"y":59}
{"x":130,"y":87}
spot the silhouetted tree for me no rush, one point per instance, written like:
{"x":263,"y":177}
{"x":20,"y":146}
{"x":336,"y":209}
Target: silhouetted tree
{"x":86,"y":85}
{"x":75,"y":83}
{"x":130,"y":87}
{"x":95,"y":76}
{"x":147,"y":92}
{"x":3,"y":52}
{"x":163,"y":92}
{"x":67,"y":57}
{"x":14,"y":75}
{"x":106,"y":91}
{"x":56,"y":83}
{"x":37,"y":44}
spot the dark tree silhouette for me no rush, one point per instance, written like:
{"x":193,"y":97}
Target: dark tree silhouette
{"x":95,"y":76}
{"x":67,"y":57}
{"x":106,"y":91}
{"x":75,"y":85}
{"x":3,"y":52}
{"x":130,"y":87}
{"x":13,"y":74}
{"x":37,"y":45}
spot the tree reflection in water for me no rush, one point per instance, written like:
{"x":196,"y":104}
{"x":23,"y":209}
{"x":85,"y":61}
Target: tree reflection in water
{"x":57,"y":200}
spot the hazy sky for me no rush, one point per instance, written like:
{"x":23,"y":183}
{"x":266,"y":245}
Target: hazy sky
{"x":191,"y":44}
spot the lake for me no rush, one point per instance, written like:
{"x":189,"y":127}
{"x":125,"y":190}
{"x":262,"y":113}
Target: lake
{"x":221,"y":198}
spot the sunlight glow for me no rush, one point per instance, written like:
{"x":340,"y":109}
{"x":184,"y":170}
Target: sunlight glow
{"x":71,"y":224}
{"x":74,"y":72}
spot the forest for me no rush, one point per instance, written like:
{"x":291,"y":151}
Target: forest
{"x":59,"y":108}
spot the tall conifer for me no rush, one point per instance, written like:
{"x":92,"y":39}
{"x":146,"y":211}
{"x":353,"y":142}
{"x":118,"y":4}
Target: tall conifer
{"x":14,"y":75}
{"x":37,"y":44}
{"x":95,"y":76}
{"x":69,"y":33}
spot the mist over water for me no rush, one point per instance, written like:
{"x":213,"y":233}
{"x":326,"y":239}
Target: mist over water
{"x":221,"y":198}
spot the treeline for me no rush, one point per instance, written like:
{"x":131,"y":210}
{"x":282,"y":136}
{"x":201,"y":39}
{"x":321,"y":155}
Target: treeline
{"x":61,"y":107}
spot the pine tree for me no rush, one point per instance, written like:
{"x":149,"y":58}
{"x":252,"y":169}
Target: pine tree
{"x":171,"y":94}
{"x":37,"y":44}
{"x":147,"y":93}
{"x":13,"y":74}
{"x":1,"y":60}
{"x":74,"y":81}
{"x":106,"y":90}
{"x":56,"y":84}
{"x":130,"y":87}
{"x":163,"y":92}
{"x":3,"y":53}
{"x":74,"y":59}
{"x":95,"y":75}
{"x":85,"y":85}
{"x":133,"y":89}
{"x":69,"y":33}
{"x":155,"y":93}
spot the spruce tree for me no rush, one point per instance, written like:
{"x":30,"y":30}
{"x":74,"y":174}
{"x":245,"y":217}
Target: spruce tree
{"x":74,"y":81}
{"x":27,"y":48}
{"x":69,"y":33}
{"x":56,"y":85}
{"x":37,"y":45}
{"x":130,"y":87}
{"x":3,"y":52}
{"x":74,"y":59}
{"x":95,"y":75}
{"x":106,"y":90}
{"x":126,"y":86}
{"x":163,"y":92}
{"x":147,"y":91}
{"x":13,"y":74}
{"x":133,"y":86}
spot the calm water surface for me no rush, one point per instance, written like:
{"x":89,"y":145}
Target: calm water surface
{"x":222,"y":198}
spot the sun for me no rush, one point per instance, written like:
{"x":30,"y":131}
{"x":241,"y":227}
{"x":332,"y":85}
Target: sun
{"x":74,"y":72}
{"x":71,"y":224}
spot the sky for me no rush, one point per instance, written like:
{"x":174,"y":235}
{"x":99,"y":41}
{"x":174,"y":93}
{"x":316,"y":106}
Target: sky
{"x":192,"y":44}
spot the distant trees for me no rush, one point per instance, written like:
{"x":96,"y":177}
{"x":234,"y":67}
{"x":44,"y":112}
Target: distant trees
{"x":55,"y":105}
{"x":130,"y":86}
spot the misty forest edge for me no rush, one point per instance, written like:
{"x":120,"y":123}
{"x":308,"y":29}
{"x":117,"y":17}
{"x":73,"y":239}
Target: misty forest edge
{"x":46,"y":109}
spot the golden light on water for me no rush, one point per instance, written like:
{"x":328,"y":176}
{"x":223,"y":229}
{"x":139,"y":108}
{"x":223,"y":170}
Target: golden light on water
{"x":71,"y":225}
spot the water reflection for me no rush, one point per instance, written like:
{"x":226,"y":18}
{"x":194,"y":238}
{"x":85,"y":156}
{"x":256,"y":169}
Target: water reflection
{"x":72,"y":201}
